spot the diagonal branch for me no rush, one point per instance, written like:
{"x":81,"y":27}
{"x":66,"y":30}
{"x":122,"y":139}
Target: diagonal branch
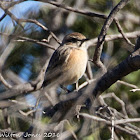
{"x":68,"y":8}
{"x":11,"y":4}
{"x":40,"y":25}
{"x":4,"y":81}
{"x":123,"y":34}
{"x":7,"y":12}
{"x":130,"y":64}
{"x":101,"y":38}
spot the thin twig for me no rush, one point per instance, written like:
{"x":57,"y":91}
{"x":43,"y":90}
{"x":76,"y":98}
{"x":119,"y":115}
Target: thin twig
{"x":93,"y":42}
{"x":112,"y":129}
{"x":112,"y":95}
{"x":68,"y":8}
{"x":5,"y":82}
{"x":26,"y":113}
{"x":2,"y":17}
{"x":9,"y":5}
{"x":21,"y":103}
{"x":85,"y":83}
{"x":24,"y":39}
{"x":134,"y":90}
{"x":11,"y":15}
{"x":49,"y":99}
{"x":40,"y":25}
{"x":127,"y":84}
{"x":122,"y":121}
{"x":121,"y":31}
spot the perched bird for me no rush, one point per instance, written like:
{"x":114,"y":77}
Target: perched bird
{"x":68,"y":63}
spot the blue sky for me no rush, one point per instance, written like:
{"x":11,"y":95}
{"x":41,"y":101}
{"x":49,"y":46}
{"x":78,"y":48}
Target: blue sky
{"x":20,"y":11}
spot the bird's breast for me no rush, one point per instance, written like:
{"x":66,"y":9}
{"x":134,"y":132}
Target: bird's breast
{"x":75,"y":65}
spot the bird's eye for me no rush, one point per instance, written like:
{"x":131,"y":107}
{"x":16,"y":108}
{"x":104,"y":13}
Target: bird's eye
{"x":73,"y":40}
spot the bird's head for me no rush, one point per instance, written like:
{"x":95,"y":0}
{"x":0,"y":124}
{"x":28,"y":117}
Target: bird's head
{"x":75,"y":39}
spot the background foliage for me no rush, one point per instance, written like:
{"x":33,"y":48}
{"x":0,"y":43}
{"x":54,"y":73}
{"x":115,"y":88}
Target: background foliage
{"x":27,"y":58}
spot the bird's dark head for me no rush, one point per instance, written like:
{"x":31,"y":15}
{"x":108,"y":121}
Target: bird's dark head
{"x":75,"y":38}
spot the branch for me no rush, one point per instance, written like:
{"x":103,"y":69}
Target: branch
{"x":116,"y":122}
{"x":42,"y":26}
{"x":7,"y":12}
{"x":123,"y":34}
{"x":68,"y":8}
{"x":101,"y":38}
{"x":4,"y":81}
{"x":130,"y":64}
{"x":17,"y":90}
{"x":11,"y":4}
{"x":2,"y":17}
{"x":122,"y":121}
{"x":134,"y":90}
{"x":135,"y":34}
{"x":127,"y":84}
{"x":23,"y":39}
{"x":112,"y":95}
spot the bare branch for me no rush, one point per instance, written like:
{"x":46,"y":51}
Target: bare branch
{"x":4,"y":82}
{"x":127,"y":66}
{"x":17,"y":90}
{"x":91,"y":14}
{"x":127,"y":84}
{"x":42,"y":26}
{"x":11,"y":4}
{"x":121,"y":31}
{"x":122,"y":121}
{"x":135,"y":34}
{"x":112,"y":128}
{"x":24,"y":39}
{"x":108,"y":95}
{"x":101,"y":38}
{"x":2,"y":17}
{"x":11,"y":15}
{"x":5,"y":54}
{"x":134,"y":90}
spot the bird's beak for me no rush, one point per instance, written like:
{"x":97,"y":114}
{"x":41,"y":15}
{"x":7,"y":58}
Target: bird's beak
{"x":85,"y":40}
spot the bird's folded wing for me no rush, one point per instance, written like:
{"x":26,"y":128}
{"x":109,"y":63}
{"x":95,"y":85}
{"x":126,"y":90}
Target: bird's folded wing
{"x":54,"y":72}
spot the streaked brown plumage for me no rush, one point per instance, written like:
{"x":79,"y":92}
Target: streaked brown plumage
{"x":68,"y":63}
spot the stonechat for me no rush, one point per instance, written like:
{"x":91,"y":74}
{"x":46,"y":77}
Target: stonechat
{"x":68,"y":63}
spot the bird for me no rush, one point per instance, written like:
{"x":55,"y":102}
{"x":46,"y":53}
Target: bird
{"x":68,"y":62}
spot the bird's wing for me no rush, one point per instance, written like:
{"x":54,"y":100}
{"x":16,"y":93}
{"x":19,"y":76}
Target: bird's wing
{"x":56,"y":63}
